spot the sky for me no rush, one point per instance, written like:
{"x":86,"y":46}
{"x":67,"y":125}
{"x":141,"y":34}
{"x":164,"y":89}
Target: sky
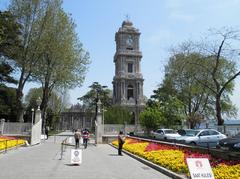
{"x":163,"y":24}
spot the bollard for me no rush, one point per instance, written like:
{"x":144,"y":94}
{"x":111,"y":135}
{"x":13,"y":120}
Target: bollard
{"x":6,"y":147}
{"x":16,"y":144}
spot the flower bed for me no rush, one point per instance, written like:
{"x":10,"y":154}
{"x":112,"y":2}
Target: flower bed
{"x":174,"y":158}
{"x":9,"y":142}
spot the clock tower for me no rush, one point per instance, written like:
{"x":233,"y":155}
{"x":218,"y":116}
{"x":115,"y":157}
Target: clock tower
{"x":128,"y":80}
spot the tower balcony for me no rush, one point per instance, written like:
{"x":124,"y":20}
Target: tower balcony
{"x":128,"y":53}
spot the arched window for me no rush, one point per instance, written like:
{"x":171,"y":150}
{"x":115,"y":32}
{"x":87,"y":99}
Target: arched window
{"x":129,"y":92}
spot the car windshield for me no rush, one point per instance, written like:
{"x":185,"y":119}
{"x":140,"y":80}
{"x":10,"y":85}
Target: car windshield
{"x":169,"y":131}
{"x":191,"y":132}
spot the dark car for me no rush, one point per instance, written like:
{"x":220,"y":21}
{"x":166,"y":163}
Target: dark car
{"x":230,"y":143}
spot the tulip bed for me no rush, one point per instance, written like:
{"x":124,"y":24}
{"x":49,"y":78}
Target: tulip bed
{"x":174,"y":158}
{"x":9,"y":142}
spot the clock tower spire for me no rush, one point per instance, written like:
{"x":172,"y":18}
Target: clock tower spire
{"x":128,"y":79}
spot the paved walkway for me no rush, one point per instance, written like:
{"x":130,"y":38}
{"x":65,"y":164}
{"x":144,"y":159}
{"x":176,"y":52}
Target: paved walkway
{"x":99,"y":162}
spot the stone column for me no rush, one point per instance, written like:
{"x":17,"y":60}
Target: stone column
{"x":2,"y":126}
{"x":99,"y":126}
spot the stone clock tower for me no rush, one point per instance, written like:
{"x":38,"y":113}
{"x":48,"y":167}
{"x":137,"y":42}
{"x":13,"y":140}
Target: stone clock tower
{"x":128,"y":80}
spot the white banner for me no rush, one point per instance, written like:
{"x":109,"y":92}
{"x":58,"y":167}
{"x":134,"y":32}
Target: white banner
{"x":76,"y":156}
{"x":200,"y":168}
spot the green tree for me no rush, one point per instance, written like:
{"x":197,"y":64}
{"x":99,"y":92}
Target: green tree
{"x":166,"y":101}
{"x":63,"y":62}
{"x":97,"y":91}
{"x":9,"y":36}
{"x":118,"y":115}
{"x":182,"y":73}
{"x":8,"y":103}
{"x":55,"y":106}
{"x":221,"y":50}
{"x":151,"y":118}
{"x":27,"y":14}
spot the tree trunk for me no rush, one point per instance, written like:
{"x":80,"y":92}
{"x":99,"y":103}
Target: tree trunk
{"x":218,"y":111}
{"x":19,"y":96}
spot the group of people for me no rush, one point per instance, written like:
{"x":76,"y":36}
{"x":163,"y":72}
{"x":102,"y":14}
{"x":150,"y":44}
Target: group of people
{"x":85,"y":136}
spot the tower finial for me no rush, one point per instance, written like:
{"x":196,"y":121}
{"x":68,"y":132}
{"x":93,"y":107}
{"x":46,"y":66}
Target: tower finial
{"x":127,"y":17}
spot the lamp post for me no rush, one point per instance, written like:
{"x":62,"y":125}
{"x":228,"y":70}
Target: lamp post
{"x":38,"y":103}
{"x":32,"y":115}
{"x":98,"y":89}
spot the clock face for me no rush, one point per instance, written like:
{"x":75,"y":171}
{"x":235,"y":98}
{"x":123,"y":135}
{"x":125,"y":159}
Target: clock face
{"x":129,"y":41}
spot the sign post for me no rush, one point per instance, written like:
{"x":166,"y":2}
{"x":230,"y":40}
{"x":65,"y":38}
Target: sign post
{"x":200,"y":168}
{"x":76,"y":156}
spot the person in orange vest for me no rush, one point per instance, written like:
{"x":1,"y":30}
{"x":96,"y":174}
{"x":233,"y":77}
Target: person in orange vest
{"x":85,"y":136}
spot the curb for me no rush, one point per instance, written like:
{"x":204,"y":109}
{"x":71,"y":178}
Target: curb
{"x":154,"y":166}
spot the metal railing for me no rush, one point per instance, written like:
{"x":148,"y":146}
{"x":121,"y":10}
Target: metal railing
{"x":63,"y":146}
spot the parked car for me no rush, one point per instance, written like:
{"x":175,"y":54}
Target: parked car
{"x":230,"y":143}
{"x":204,"y":137}
{"x":165,"y":134}
{"x":185,"y":133}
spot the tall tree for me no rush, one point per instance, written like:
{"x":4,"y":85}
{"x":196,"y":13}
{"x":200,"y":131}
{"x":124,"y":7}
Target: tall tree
{"x":222,"y":50}
{"x":63,"y":61}
{"x":27,"y":14}
{"x":182,"y":72}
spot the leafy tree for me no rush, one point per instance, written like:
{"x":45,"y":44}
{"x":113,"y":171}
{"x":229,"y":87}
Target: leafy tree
{"x":9,"y":46}
{"x":52,"y":57}
{"x":166,"y":101}
{"x":54,"y":106}
{"x":220,"y":51}
{"x":97,"y":91}
{"x":27,"y":14}
{"x":216,"y":70}
{"x":182,"y":73}
{"x":9,"y":35}
{"x":117,"y":115}
{"x":5,"y":74}
{"x":151,"y":118}
{"x":63,"y":62}
{"x":8,"y":103}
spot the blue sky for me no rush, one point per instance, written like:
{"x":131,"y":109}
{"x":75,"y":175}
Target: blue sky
{"x":162,"y":23}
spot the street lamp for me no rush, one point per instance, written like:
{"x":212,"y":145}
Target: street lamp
{"x":32,"y":115}
{"x":38,"y":102}
{"x":99,"y":89}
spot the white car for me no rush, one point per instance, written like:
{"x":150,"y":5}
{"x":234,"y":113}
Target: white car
{"x":165,"y":134}
{"x":203,"y":137}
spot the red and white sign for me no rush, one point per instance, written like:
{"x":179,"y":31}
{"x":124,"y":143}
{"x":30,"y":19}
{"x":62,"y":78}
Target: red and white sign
{"x":76,"y":156}
{"x":200,"y":168}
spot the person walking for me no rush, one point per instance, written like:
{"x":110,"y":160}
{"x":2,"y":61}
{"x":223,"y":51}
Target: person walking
{"x":85,"y":135}
{"x":77,"y":136}
{"x":46,"y":132}
{"x":121,"y":140}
